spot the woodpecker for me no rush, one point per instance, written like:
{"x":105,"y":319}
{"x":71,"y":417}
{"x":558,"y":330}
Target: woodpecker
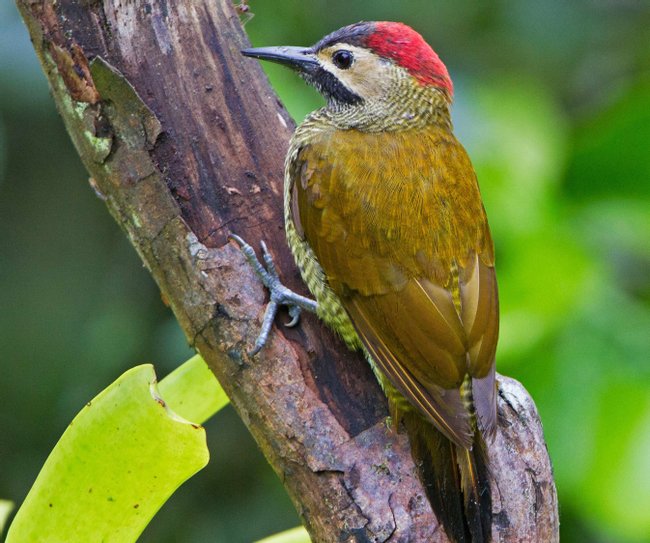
{"x":385,"y":220}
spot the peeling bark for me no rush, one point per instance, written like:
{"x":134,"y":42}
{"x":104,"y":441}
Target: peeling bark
{"x":185,"y":140}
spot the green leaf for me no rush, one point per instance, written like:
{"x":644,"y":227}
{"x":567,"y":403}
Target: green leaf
{"x":295,"y":535}
{"x":117,"y":463}
{"x":6,"y":507}
{"x":192,"y":391}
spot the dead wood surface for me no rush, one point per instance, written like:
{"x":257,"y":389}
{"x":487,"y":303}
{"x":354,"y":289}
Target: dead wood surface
{"x":186,"y":141}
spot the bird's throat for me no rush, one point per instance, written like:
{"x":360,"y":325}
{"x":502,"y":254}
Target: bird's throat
{"x":409,"y":105}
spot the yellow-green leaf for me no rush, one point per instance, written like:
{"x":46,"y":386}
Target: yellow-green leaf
{"x":117,"y":463}
{"x":5,"y":510}
{"x":192,"y":391}
{"x":295,"y":535}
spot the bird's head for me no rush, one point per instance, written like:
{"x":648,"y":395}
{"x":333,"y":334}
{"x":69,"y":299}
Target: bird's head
{"x":382,"y":68}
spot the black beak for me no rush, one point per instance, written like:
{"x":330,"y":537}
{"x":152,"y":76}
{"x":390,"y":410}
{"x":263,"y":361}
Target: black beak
{"x":298,"y":58}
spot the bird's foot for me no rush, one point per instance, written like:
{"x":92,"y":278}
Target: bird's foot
{"x":280,"y":295}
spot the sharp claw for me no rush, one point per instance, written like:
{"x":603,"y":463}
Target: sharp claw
{"x":292,"y":322}
{"x":268,"y":277}
{"x":256,"y":350}
{"x":294,"y":313}
{"x":237,"y":239}
{"x":268,"y":260}
{"x":267,"y":322}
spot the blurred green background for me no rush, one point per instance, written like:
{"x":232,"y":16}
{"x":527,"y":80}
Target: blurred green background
{"x":553,"y":104}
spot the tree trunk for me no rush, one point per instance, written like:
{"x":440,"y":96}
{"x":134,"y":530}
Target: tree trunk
{"x":185,"y":140}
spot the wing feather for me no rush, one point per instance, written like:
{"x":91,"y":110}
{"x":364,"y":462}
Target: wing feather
{"x":443,"y":407}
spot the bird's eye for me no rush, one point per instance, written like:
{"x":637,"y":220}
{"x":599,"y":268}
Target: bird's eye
{"x":342,"y":59}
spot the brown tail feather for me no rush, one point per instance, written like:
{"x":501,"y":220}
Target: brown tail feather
{"x":455,"y":480}
{"x":475,"y":485}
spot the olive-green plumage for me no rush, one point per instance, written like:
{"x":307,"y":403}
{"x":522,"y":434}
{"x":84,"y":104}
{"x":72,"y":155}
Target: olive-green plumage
{"x":384,"y":217}
{"x":401,"y":246}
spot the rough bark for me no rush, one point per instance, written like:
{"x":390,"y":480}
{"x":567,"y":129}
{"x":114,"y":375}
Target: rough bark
{"x":185,"y":140}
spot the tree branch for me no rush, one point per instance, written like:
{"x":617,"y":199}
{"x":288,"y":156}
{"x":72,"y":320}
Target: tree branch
{"x":186,"y":141}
